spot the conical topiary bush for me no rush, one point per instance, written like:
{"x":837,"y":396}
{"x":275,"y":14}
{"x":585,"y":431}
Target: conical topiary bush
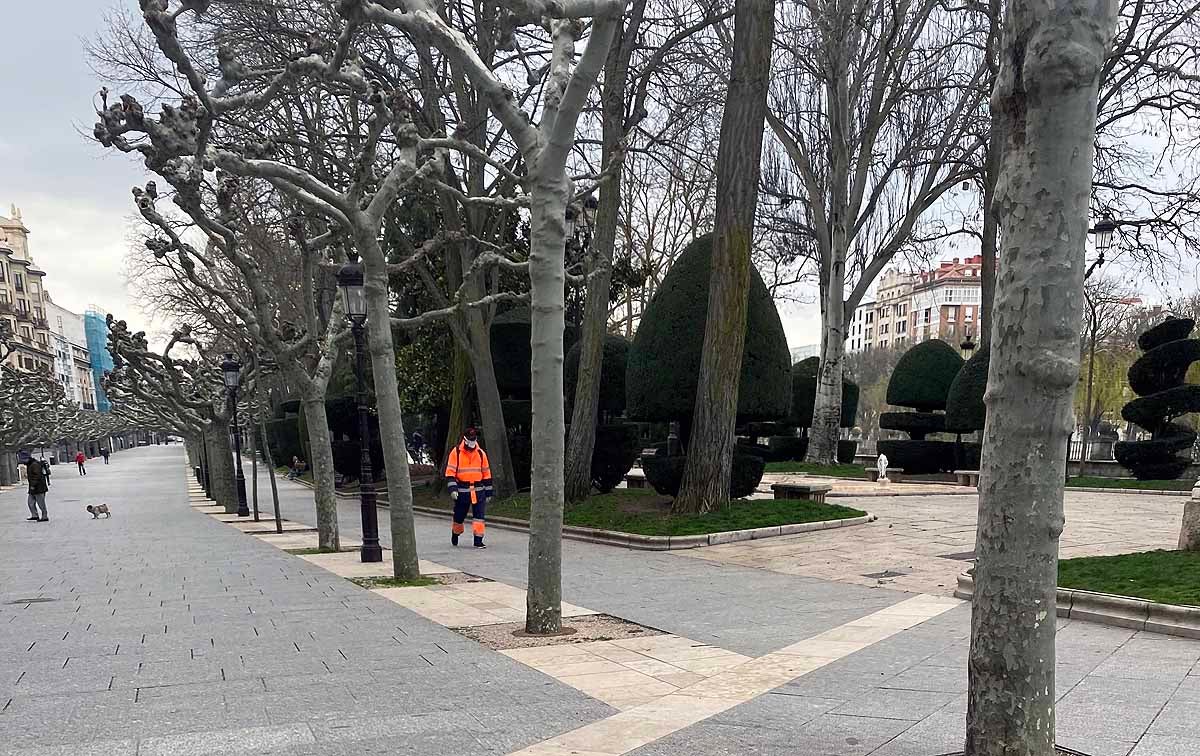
{"x":1157,"y":377}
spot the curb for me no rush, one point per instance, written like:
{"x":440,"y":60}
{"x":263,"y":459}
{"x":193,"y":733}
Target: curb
{"x":1114,"y":610}
{"x":1141,"y":491}
{"x":668,"y":543}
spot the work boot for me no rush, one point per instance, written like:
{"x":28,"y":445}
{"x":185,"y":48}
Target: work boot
{"x":35,"y":518}
{"x":479,"y":544}
{"x":454,"y":539}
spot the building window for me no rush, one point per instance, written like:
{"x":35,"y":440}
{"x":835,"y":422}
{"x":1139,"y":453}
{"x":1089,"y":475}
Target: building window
{"x":868,"y":334}
{"x":870,"y":317}
{"x":952,"y":313}
{"x":22,"y":306}
{"x":901,"y":327}
{"x":26,"y":333}
{"x":19,"y":282}
{"x":883,"y":328}
{"x":970,"y":314}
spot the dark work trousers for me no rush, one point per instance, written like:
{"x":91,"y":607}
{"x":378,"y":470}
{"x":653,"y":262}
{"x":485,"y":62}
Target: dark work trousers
{"x":461,"y":505}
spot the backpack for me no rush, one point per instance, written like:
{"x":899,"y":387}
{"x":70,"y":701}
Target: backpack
{"x":46,"y":470}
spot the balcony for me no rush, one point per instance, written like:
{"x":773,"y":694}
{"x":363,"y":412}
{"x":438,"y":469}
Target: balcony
{"x":24,"y":316}
{"x":6,"y":308}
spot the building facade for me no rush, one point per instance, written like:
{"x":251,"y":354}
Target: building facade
{"x":23,"y":298}
{"x":72,"y":359}
{"x":95,"y":327}
{"x":941,"y":303}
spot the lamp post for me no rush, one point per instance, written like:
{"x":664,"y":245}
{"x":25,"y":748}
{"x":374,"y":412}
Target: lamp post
{"x":1104,"y":234}
{"x":354,"y":295}
{"x":231,"y":371}
{"x":1103,"y":231}
{"x":967,"y":346}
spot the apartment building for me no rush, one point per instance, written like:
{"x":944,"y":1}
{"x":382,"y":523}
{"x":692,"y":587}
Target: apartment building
{"x":941,"y":303}
{"x":23,"y":298}
{"x":72,"y":359}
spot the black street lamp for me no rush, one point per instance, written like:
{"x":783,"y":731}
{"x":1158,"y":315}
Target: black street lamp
{"x":231,"y":371}
{"x":354,"y":295}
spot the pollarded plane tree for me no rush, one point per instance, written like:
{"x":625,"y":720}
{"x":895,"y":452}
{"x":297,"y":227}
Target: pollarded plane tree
{"x":181,"y":385}
{"x":877,"y":111}
{"x":389,"y":167}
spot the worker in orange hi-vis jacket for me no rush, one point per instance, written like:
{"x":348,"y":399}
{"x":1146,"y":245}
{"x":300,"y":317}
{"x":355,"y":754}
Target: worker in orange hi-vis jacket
{"x":469,"y":478}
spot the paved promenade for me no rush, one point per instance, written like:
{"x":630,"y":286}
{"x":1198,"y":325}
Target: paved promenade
{"x":170,"y":632}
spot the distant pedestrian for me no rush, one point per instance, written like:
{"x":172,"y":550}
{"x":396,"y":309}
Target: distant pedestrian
{"x":469,"y":478}
{"x":35,"y":474}
{"x":80,"y":458}
{"x":104,"y":453}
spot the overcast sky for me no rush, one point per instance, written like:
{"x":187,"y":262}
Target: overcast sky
{"x":73,"y":195}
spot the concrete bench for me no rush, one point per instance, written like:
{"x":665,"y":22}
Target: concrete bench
{"x":895,"y":474}
{"x":802,"y":491}
{"x":967,"y":477}
{"x":635,"y":481}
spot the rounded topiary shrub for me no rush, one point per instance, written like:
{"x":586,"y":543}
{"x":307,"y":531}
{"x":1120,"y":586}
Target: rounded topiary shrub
{"x":847,"y":450}
{"x":665,"y":474}
{"x":617,"y":448}
{"x":965,"y":411}
{"x":923,"y":376}
{"x":804,"y":395}
{"x":786,"y":448}
{"x":916,"y":424}
{"x":612,"y":374}
{"x":512,"y":355}
{"x":1157,"y":377}
{"x":664,"y":360}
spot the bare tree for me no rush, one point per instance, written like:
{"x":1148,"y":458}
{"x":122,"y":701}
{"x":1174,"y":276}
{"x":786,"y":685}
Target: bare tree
{"x":1044,"y":108}
{"x":1106,"y":300}
{"x":877,"y":111}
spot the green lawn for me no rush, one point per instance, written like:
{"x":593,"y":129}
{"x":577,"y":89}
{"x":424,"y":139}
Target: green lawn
{"x":1131,"y":483}
{"x":835,"y":471}
{"x":1169,"y":577}
{"x":644,"y":512}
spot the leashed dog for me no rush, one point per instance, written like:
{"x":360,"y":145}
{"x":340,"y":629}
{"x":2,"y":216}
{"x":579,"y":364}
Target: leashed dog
{"x":97,"y":510}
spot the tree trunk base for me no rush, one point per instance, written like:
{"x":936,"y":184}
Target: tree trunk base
{"x":1059,"y":750}
{"x":1189,"y":531}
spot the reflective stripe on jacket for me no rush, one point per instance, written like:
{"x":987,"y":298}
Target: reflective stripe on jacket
{"x":468,"y":469}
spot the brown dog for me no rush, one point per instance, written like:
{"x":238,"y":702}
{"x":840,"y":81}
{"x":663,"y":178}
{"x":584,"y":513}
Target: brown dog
{"x":99,"y":509}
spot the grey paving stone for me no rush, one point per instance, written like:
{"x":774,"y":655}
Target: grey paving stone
{"x":250,"y":739}
{"x":1165,"y":745}
{"x":895,"y":703}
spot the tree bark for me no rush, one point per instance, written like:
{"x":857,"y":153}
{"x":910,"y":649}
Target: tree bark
{"x":991,"y":174}
{"x":491,"y":415}
{"x":220,"y":462}
{"x":585,"y":413}
{"x":458,"y":410}
{"x":253,"y":436}
{"x":827,"y":404}
{"x":547,"y":275}
{"x":321,"y":461}
{"x":706,"y":473}
{"x":1045,"y":104}
{"x":387,"y":401}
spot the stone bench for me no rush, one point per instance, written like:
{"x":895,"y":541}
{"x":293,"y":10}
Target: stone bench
{"x":635,"y":481}
{"x":802,"y":491}
{"x":967,"y":477}
{"x":895,"y":474}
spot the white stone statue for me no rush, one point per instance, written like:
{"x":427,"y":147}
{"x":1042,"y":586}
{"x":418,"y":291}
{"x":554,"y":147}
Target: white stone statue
{"x":883,"y":465}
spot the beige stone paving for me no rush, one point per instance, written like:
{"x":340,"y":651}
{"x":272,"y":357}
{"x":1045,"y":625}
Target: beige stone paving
{"x":349,"y":564}
{"x":469,"y":604}
{"x":631,"y":672}
{"x":914,"y":535}
{"x":848,"y":487}
{"x":644,"y":723}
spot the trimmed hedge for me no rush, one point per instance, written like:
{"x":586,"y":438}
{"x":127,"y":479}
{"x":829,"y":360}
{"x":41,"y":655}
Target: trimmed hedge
{"x":919,"y":457}
{"x":1171,"y":329}
{"x":965,"y":410}
{"x":512,"y":355}
{"x":665,"y":474}
{"x":617,"y":448}
{"x":793,"y":449}
{"x":804,"y":395}
{"x":283,"y":434}
{"x":664,"y":360}
{"x":1157,"y":377}
{"x":612,"y":374}
{"x":916,"y":424}
{"x":923,"y":376}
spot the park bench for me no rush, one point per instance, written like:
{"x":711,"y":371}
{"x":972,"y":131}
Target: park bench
{"x":967,"y":477}
{"x":635,"y":480}
{"x":802,"y":491}
{"x":895,"y":474}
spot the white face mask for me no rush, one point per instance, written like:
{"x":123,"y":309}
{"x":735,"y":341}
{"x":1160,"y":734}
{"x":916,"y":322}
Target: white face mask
{"x":470,"y":444}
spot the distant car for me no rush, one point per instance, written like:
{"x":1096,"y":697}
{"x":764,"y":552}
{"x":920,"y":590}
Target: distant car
{"x":143,"y":442}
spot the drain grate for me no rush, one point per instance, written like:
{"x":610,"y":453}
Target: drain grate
{"x":884,"y":574}
{"x":38,"y":600}
{"x":962,"y":556}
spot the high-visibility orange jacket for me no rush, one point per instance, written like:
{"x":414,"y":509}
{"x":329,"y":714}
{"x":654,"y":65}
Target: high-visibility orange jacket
{"x":468,"y":470}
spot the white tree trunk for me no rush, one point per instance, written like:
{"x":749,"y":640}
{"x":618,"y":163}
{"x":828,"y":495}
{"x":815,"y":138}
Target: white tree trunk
{"x":387,"y":402}
{"x":1045,"y":107}
{"x":220,"y":461}
{"x":547,"y":275}
{"x":321,"y":458}
{"x":827,"y":405}
{"x":491,"y":414}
